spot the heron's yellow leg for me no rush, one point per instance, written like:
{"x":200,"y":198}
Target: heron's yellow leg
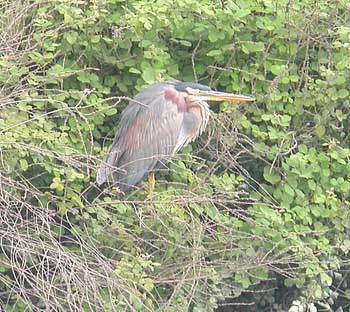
{"x":151,"y":182}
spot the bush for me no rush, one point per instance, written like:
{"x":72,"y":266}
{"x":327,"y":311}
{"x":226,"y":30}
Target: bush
{"x":253,"y":216}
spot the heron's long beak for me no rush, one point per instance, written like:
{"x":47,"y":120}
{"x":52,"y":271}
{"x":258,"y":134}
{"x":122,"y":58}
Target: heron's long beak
{"x":218,"y":96}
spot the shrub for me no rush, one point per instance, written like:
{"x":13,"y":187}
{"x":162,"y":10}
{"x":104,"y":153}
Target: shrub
{"x":254,"y":215}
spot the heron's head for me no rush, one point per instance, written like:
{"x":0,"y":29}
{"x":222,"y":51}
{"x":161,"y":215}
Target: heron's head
{"x":201,"y":93}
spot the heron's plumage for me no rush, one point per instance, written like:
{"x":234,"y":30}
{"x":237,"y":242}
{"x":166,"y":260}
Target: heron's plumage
{"x":154,"y":126}
{"x":151,"y":129}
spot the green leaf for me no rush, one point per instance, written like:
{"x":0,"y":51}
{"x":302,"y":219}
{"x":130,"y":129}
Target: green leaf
{"x":134,"y":70}
{"x":23,"y":164}
{"x":95,"y":39}
{"x":214,"y":53}
{"x":87,"y":77}
{"x":343,"y":93}
{"x":185,"y":43}
{"x":197,"y":208}
{"x":271,"y":176}
{"x":107,"y":40}
{"x":111,"y":111}
{"x":149,"y":75}
{"x":148,"y":284}
{"x":345,"y":186}
{"x":320,"y":130}
{"x":72,"y":37}
{"x":289,"y":190}
{"x":68,"y":19}
{"x":277,"y":69}
{"x":57,"y":184}
{"x":312,"y":185}
{"x":251,"y":47}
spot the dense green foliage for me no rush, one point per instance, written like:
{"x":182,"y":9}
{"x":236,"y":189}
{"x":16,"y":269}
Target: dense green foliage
{"x":254,"y":216}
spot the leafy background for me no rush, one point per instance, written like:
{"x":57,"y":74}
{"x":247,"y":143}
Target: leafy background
{"x":253,"y":216}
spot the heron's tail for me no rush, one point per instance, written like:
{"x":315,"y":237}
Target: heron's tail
{"x":108,"y":167}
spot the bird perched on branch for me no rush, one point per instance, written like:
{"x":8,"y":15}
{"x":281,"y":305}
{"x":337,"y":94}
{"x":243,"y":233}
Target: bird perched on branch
{"x":154,"y":126}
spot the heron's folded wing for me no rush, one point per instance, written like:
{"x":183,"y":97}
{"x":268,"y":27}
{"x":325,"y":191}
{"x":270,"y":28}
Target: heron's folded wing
{"x":150,"y":130}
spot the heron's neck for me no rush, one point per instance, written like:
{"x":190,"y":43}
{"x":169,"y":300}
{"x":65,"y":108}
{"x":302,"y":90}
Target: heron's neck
{"x":202,"y":112}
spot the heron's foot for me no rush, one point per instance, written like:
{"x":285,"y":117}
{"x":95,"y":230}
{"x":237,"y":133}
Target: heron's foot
{"x":151,"y":183}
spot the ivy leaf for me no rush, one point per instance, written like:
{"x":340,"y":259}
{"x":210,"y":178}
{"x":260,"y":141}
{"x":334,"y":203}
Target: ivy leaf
{"x":72,"y":37}
{"x":111,"y":111}
{"x":23,"y":164}
{"x":343,"y":93}
{"x":149,"y":75}
{"x":271,"y":176}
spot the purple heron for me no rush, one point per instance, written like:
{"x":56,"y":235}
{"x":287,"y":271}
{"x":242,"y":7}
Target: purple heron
{"x":154,"y":126}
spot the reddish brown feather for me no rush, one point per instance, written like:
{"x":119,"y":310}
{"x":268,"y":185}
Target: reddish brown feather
{"x":170,"y":94}
{"x":132,"y":137}
{"x":195,"y":109}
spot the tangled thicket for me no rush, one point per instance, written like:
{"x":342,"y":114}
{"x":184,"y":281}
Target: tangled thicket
{"x":254,"y":216}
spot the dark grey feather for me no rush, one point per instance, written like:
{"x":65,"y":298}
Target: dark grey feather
{"x":134,"y":154}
